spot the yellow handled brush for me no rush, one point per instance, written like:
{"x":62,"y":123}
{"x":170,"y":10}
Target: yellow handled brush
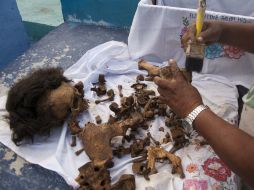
{"x":195,"y":50}
{"x":200,"y":16}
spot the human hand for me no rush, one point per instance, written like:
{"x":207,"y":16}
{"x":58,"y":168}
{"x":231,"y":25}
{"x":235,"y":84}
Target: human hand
{"x":177,"y":92}
{"x":211,"y":33}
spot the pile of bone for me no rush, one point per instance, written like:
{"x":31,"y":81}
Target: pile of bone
{"x":134,"y":112}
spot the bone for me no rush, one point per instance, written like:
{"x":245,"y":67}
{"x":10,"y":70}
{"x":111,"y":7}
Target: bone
{"x":101,"y":79}
{"x":157,"y":143}
{"x":80,"y":87}
{"x":161,"y":129}
{"x":79,"y":151}
{"x":166,"y":73}
{"x":121,"y":151}
{"x":138,"y":147}
{"x":149,"y":78}
{"x":155,"y":153}
{"x":178,"y":136}
{"x":126,"y":182}
{"x":141,"y":169}
{"x":114,"y":107}
{"x":127,"y":102}
{"x":167,"y":139}
{"x":151,"y":69}
{"x":139,"y":86}
{"x":140,"y":78}
{"x":148,"y":111}
{"x":100,"y":90}
{"x":111,"y":96}
{"x":93,"y":176}
{"x":73,"y":141}
{"x":120,"y":89}
{"x":98,"y":119}
{"x":74,"y":126}
{"x":97,"y":148}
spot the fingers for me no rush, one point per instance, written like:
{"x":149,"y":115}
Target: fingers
{"x":166,"y":100}
{"x":162,"y":83}
{"x":189,"y":35}
{"x":164,"y":92}
{"x":191,"y":32}
{"x":210,"y":33}
{"x":174,"y":68}
{"x":173,"y":65}
{"x":206,"y":36}
{"x":170,"y":83}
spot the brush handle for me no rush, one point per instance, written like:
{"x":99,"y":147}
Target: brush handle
{"x":200,"y":16}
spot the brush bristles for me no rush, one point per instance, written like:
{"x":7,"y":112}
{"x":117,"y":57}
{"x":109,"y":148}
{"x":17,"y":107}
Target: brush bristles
{"x":194,"y":64}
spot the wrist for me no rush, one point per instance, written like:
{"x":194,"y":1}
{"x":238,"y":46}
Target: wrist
{"x":199,"y":118}
{"x":192,"y":116}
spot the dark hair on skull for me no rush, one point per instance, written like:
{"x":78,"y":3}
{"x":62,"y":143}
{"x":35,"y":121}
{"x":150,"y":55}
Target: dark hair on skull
{"x":25,"y":118}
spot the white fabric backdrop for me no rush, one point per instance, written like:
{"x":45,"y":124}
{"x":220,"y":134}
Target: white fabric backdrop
{"x":156,"y":31}
{"x":113,"y":60}
{"x":244,"y":7}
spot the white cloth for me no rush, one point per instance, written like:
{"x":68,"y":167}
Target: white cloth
{"x":113,"y":60}
{"x":224,"y":6}
{"x":156,"y":32}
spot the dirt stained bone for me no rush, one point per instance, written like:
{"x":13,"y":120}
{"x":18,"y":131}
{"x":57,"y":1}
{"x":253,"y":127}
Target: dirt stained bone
{"x":164,"y":72}
{"x":179,"y":139}
{"x":140,"y":151}
{"x":121,"y":151}
{"x":110,"y":94}
{"x":93,"y":177}
{"x":151,"y":69}
{"x":98,"y":119}
{"x":155,"y":153}
{"x":140,"y":168}
{"x":127,"y":107}
{"x":126,"y":182}
{"x":99,"y":149}
{"x":138,"y":147}
{"x":79,"y":104}
{"x":120,"y":89}
{"x":100,"y":87}
{"x":140,"y":78}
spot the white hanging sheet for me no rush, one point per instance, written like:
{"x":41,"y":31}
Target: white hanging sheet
{"x":156,"y":33}
{"x":223,"y":6}
{"x":113,"y":60}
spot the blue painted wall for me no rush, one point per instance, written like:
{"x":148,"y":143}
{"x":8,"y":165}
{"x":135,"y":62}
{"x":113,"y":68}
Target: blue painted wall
{"x":116,"y":13}
{"x":13,"y":37}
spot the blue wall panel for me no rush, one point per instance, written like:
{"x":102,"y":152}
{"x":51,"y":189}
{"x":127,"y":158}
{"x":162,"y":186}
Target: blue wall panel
{"x":116,"y":13}
{"x":13,"y":38}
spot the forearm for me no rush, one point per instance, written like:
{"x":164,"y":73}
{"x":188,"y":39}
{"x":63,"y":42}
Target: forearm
{"x":232,"y":145}
{"x":239,"y":35}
